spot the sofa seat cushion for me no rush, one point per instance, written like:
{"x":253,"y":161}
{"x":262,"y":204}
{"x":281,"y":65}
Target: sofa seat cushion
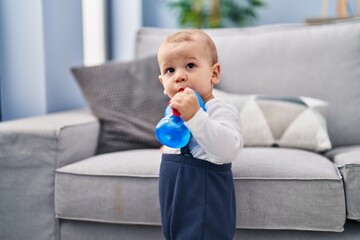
{"x":347,"y":159}
{"x":275,"y":188}
{"x":118,"y":187}
{"x":288,"y":189}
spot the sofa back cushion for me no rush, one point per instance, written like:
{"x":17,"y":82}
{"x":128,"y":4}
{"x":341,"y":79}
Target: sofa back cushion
{"x":318,"y":61}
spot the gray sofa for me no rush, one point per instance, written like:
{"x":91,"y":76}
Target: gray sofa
{"x":54,"y":184}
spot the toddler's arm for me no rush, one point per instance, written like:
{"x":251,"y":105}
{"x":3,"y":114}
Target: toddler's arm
{"x":218,"y":131}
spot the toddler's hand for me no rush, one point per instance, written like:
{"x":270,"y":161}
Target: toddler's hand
{"x":186,"y":103}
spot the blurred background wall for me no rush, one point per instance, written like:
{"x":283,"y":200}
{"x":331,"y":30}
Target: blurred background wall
{"x":41,"y":40}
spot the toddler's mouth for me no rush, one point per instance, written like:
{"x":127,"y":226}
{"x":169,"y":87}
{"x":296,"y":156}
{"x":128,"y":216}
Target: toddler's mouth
{"x":181,"y":89}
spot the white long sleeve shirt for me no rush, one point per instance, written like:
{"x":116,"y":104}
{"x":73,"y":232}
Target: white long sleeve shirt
{"x":216,"y":133}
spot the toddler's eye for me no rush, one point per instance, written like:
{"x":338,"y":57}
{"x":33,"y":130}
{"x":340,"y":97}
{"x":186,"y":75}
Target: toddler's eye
{"x":170,"y":70}
{"x":190,"y":65}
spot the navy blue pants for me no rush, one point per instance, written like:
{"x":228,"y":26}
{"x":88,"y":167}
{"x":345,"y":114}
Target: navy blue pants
{"x":197,"y":199}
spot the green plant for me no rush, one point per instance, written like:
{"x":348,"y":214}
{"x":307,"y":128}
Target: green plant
{"x":214,"y":13}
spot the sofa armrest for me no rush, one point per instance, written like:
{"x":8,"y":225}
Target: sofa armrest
{"x":347,"y":159}
{"x":344,"y":155}
{"x":30,"y":151}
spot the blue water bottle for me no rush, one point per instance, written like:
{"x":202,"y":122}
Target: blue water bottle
{"x":171,"y":130}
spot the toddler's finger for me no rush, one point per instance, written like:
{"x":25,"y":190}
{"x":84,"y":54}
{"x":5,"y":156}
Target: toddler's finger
{"x":188,"y":91}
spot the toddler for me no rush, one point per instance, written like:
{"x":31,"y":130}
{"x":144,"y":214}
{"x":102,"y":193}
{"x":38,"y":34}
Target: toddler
{"x":196,"y":190}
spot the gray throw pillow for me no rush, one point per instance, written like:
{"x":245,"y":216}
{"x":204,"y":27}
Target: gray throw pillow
{"x":294,"y":122}
{"x":128,"y":99}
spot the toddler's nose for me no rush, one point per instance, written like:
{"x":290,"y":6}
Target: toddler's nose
{"x":180,"y":77}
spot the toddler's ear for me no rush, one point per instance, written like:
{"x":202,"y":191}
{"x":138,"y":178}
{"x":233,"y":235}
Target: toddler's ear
{"x":215,"y":79}
{"x":160,"y":78}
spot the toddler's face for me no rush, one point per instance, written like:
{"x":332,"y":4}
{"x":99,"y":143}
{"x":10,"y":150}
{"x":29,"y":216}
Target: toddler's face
{"x":187,"y":64}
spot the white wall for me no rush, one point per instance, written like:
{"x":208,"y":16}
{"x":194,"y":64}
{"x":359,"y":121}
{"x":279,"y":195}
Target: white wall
{"x":94,"y":31}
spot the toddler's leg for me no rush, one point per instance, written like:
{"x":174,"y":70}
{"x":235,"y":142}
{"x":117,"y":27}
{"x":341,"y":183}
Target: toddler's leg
{"x":182,"y":192}
{"x":197,"y":200}
{"x":220,"y":217}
